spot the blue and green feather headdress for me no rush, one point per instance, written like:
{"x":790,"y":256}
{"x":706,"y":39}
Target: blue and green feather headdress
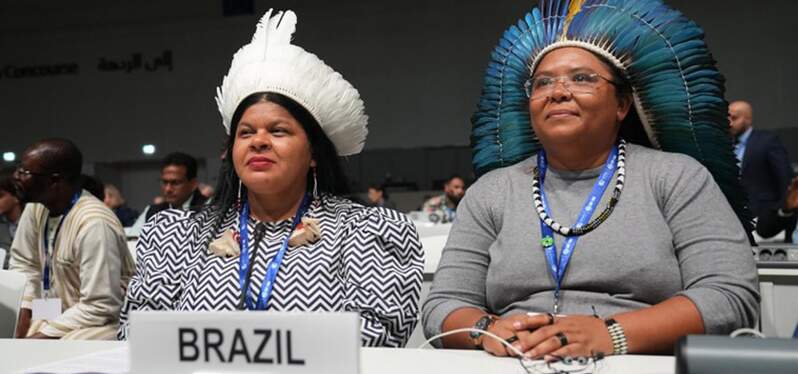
{"x":678,"y":91}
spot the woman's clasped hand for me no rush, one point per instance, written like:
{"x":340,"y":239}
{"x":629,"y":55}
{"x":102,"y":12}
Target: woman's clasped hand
{"x":545,"y":336}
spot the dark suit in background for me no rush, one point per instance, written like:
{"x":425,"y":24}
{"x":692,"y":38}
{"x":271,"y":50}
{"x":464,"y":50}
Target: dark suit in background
{"x":765,"y":175}
{"x":195,"y":204}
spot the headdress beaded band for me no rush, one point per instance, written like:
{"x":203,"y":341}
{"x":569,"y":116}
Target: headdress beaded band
{"x":592,"y":225}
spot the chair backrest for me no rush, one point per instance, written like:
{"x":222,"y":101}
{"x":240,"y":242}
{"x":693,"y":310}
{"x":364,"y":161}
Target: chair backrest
{"x":12,"y":287}
{"x":131,"y":246}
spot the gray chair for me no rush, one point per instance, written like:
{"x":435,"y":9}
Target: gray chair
{"x":12,"y":287}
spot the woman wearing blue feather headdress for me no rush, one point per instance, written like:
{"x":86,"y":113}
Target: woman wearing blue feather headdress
{"x":601,"y":123}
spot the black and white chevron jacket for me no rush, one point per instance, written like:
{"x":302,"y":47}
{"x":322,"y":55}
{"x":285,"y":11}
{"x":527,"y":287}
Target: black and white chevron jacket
{"x":368,"y":260}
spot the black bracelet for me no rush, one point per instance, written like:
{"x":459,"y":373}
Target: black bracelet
{"x":482,"y":324}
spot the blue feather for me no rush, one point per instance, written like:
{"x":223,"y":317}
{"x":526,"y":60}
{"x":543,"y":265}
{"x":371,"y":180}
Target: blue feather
{"x":665,"y":57}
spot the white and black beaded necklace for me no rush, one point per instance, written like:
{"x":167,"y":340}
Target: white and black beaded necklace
{"x":577,"y":231}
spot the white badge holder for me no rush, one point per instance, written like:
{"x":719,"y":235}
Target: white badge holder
{"x":47,"y":308}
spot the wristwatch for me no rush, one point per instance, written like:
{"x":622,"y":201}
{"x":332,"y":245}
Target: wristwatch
{"x":482,"y":324}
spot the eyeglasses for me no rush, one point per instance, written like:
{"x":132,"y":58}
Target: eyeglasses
{"x":576,"y":83}
{"x":27,"y":173}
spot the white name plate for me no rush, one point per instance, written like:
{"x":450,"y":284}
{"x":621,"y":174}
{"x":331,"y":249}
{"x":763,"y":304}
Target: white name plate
{"x":238,"y":342}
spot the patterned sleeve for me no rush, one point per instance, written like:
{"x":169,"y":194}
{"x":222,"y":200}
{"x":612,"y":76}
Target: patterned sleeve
{"x":161,"y":257}
{"x":383,"y":266}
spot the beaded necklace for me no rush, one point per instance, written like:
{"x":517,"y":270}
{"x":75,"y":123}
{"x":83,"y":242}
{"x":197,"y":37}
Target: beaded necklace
{"x":577,"y":231}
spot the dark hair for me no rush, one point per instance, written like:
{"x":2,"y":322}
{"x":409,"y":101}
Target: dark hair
{"x":453,"y":177}
{"x":59,"y":155}
{"x":181,"y":159}
{"x":7,"y":180}
{"x":329,"y":173}
{"x":381,"y":188}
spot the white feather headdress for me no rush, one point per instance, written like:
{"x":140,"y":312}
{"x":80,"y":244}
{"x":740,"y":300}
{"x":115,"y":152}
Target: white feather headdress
{"x":270,"y":63}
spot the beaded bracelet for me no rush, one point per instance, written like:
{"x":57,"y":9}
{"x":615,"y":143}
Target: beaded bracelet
{"x":619,"y":344}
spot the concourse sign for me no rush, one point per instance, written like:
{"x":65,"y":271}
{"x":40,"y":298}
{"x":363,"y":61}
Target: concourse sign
{"x":239,"y":342}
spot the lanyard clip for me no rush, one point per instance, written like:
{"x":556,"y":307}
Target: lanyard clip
{"x":556,"y":302}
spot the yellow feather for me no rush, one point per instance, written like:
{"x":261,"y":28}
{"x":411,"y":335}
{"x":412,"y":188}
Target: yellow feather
{"x":573,"y":8}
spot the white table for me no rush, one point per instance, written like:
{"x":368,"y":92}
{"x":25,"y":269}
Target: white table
{"x":18,"y":355}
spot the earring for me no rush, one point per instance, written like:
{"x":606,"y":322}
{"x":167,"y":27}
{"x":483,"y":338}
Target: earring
{"x":315,"y":185}
{"x":238,"y":198}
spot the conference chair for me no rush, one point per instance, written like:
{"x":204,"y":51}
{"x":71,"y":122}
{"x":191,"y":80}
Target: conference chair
{"x":12,"y":287}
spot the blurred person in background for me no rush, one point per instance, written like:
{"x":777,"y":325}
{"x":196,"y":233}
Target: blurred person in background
{"x":445,"y":205}
{"x":379,"y":197}
{"x":765,"y":171}
{"x":116,"y":202}
{"x":10,"y":211}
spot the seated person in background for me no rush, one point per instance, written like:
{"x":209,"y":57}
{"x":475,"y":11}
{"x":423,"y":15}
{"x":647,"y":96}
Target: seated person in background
{"x":10,"y":211}
{"x":379,"y":197}
{"x":445,"y":205}
{"x":86,"y":261}
{"x":178,"y":188}
{"x":277,"y":199}
{"x":116,"y":202}
{"x":783,"y":218}
{"x":663,"y":256}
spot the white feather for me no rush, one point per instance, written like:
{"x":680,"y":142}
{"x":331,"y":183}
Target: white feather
{"x":270,"y":63}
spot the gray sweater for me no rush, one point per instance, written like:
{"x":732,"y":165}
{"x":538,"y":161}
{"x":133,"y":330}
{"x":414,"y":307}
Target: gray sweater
{"x":672,"y":233}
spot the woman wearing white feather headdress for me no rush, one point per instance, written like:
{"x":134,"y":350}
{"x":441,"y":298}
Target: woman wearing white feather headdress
{"x":276,"y":236}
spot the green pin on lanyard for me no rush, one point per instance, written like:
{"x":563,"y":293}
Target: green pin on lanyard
{"x":547,"y":241}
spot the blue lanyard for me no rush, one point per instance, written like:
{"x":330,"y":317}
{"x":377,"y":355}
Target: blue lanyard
{"x":48,"y":253}
{"x":557,"y":268}
{"x":449,"y":212}
{"x":273,"y":267}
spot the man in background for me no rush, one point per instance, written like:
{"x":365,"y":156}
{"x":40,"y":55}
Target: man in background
{"x":765,"y":169}
{"x":178,"y":188}
{"x":445,"y":205}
